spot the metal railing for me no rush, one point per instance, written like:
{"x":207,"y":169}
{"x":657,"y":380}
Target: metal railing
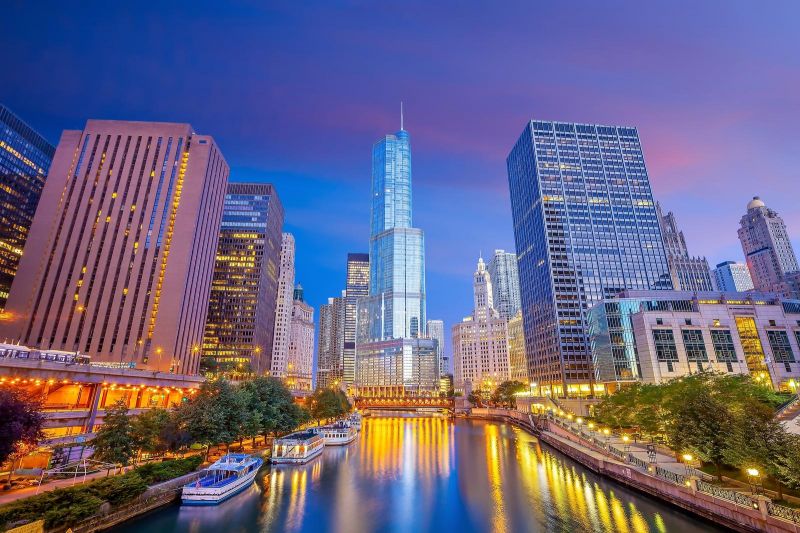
{"x":678,"y":479}
{"x":638,"y":462}
{"x":786,"y":513}
{"x":725,"y":494}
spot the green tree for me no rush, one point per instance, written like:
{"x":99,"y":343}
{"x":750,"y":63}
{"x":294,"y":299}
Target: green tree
{"x":116,"y":440}
{"x":149,"y":430}
{"x":475,"y":398}
{"x":21,"y":422}
{"x":505,"y":393}
{"x":329,"y":403}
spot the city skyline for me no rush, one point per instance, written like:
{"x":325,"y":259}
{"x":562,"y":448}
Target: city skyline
{"x":711,"y":111}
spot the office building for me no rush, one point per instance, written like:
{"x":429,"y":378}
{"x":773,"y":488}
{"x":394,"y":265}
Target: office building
{"x":586,"y":228}
{"x":435,"y":329}
{"x":392,"y":352}
{"x":330,"y":344}
{"x":502,"y":269}
{"x":120,"y":256}
{"x":480,"y":341}
{"x":655,"y":336}
{"x":768,"y":249}
{"x":244,"y":290}
{"x":356,"y":286}
{"x":300,"y":364}
{"x":516,"y":349}
{"x":25,"y":158}
{"x":688,"y":273}
{"x":283,"y":308}
{"x":731,"y":276}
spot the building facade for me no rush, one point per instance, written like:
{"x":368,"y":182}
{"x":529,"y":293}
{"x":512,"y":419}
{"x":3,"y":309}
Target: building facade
{"x":25,"y":158}
{"x":283,"y":308}
{"x":688,"y":273}
{"x":767,"y":249}
{"x":668,"y":334}
{"x":731,"y":276}
{"x":356,"y":286}
{"x":502,"y":269}
{"x":330,"y":344}
{"x":586,"y":228}
{"x":480,"y":341}
{"x":435,"y":329}
{"x":516,"y":349}
{"x":120,"y":256}
{"x":241,"y":309}
{"x":300,"y":365}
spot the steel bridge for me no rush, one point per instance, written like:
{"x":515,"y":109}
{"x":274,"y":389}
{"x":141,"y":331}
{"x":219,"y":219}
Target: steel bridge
{"x":404,"y":403}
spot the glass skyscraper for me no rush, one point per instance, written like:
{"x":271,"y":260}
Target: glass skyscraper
{"x":25,"y":158}
{"x":357,"y":286}
{"x":586,"y":229}
{"x":502,"y":270}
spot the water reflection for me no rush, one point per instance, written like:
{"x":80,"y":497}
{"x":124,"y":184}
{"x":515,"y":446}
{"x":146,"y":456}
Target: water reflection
{"x":430,"y":474}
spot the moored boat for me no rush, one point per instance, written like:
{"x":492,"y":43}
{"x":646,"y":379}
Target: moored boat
{"x":297,"y":448}
{"x":230,"y":475}
{"x":337,"y":434}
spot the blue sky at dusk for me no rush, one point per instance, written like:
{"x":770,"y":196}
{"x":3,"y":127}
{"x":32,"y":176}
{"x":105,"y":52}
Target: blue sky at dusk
{"x":296,"y":94}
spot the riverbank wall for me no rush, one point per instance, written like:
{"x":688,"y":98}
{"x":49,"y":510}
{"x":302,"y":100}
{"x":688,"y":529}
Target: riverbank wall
{"x":748,"y":514}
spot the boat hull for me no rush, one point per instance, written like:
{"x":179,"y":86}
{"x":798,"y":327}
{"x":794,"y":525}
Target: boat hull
{"x":340,"y":441}
{"x":215,"y":496}
{"x":284,"y":460}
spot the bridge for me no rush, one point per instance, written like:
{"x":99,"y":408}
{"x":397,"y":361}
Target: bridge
{"x":404,"y":403}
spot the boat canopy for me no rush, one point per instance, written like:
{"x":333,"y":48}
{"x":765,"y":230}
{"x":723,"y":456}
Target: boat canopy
{"x":233,"y":462}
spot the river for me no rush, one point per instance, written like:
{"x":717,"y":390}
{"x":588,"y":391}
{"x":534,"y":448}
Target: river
{"x":415,"y":474}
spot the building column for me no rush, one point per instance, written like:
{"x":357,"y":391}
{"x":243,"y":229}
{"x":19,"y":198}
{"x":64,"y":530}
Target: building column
{"x":94,"y":404}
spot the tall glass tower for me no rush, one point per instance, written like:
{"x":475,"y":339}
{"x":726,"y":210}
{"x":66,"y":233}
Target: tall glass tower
{"x":586,"y":229}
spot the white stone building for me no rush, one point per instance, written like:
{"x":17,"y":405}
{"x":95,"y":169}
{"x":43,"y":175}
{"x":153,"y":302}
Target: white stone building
{"x":300,"y":361}
{"x":283,"y":310}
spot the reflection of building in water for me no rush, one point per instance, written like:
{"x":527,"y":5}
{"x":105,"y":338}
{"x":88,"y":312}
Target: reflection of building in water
{"x":385,"y":447}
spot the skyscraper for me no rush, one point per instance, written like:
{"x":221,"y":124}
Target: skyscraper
{"x":731,"y":276}
{"x":330,"y":344}
{"x":480,"y":341}
{"x":390,"y":351}
{"x":687,"y":273}
{"x":299,"y":367}
{"x":586,"y":228}
{"x":25,"y":157}
{"x":502,"y":269}
{"x":357,"y":286}
{"x":244,"y":290}
{"x":120,"y":256}
{"x":435,"y":330}
{"x":283,"y":308}
{"x":768,"y":249}
{"x":516,"y":349}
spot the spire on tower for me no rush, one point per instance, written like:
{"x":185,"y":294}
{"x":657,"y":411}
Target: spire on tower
{"x":401,"y":116}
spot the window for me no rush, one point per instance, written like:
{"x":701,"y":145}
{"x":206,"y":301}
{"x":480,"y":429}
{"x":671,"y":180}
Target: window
{"x":665,"y":345}
{"x":781,"y":349}
{"x":694,"y":344}
{"x":716,"y":322}
{"x":723,"y":346}
{"x":688,"y":321}
{"x":772,"y":323}
{"x":660,"y":321}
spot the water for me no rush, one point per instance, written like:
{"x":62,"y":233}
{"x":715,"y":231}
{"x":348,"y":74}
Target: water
{"x":407,"y":474}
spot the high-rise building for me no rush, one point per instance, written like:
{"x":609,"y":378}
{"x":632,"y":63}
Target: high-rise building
{"x":330,"y":344}
{"x":299,"y":367}
{"x":241,"y":309}
{"x":688,"y":273}
{"x":390,"y":349}
{"x":120,"y":256}
{"x":480,"y":341}
{"x":435,"y":330}
{"x":586,"y":228}
{"x":516,"y":349}
{"x":357,"y":286}
{"x":502,"y":269}
{"x":731,"y":276}
{"x":283,"y":308}
{"x":25,"y":157}
{"x":768,"y":249}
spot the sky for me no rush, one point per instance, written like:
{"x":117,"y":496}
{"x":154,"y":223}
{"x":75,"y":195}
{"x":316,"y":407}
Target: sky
{"x":296,"y":93}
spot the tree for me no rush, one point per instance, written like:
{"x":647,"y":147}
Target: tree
{"x":21,"y":422}
{"x":217,"y":414}
{"x":474,"y":397}
{"x":116,"y":440}
{"x":504,"y":394}
{"x":329,"y":403}
{"x":273,"y":402}
{"x":149,"y":428}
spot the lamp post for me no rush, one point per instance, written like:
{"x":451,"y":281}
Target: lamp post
{"x":626,"y":444}
{"x":607,"y":434}
{"x":687,"y":463}
{"x":754,"y":478}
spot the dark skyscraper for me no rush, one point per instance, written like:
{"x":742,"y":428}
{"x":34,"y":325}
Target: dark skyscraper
{"x":241,"y":310}
{"x":586,"y":228}
{"x":25,"y":158}
{"x":357,"y":287}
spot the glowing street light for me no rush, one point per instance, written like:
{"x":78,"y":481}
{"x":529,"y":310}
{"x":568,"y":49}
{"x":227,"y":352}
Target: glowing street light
{"x":754,"y":478}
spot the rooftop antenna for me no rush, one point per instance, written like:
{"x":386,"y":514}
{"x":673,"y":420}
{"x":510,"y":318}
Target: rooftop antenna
{"x":401,"y":116}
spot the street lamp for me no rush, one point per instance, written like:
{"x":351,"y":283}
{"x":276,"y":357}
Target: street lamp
{"x":626,"y":441}
{"x":607,"y":433}
{"x":687,"y":462}
{"x":754,"y":478}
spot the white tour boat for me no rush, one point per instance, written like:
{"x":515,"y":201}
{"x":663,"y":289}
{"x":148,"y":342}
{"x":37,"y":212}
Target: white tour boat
{"x":337,"y":434}
{"x":297,"y":448}
{"x":230,"y":475}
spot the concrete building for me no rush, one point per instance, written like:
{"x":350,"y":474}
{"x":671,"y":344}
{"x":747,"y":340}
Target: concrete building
{"x":356,"y":286}
{"x":731,"y":276}
{"x":653,"y":336}
{"x":435,"y":329}
{"x":330,"y":347}
{"x":502,"y":269}
{"x":768,"y":249}
{"x":516,"y":349}
{"x":688,"y":273}
{"x":300,"y":364}
{"x":586,"y":228}
{"x":238,"y":337}
{"x":25,"y":158}
{"x":480,"y":341}
{"x":120,"y":256}
{"x":283,"y":308}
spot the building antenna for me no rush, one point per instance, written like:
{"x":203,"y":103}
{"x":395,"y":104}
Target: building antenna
{"x":401,"y":115}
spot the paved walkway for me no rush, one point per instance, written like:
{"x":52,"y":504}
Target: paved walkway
{"x":16,"y":494}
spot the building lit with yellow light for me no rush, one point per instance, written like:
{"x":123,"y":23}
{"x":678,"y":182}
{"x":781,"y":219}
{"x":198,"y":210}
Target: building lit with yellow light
{"x":239,"y":328}
{"x":300,"y":364}
{"x":119,"y":259}
{"x":516,"y":349}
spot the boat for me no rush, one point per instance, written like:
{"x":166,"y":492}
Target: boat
{"x":230,"y":475}
{"x":337,"y":434}
{"x":355,"y":420}
{"x":297,"y":448}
